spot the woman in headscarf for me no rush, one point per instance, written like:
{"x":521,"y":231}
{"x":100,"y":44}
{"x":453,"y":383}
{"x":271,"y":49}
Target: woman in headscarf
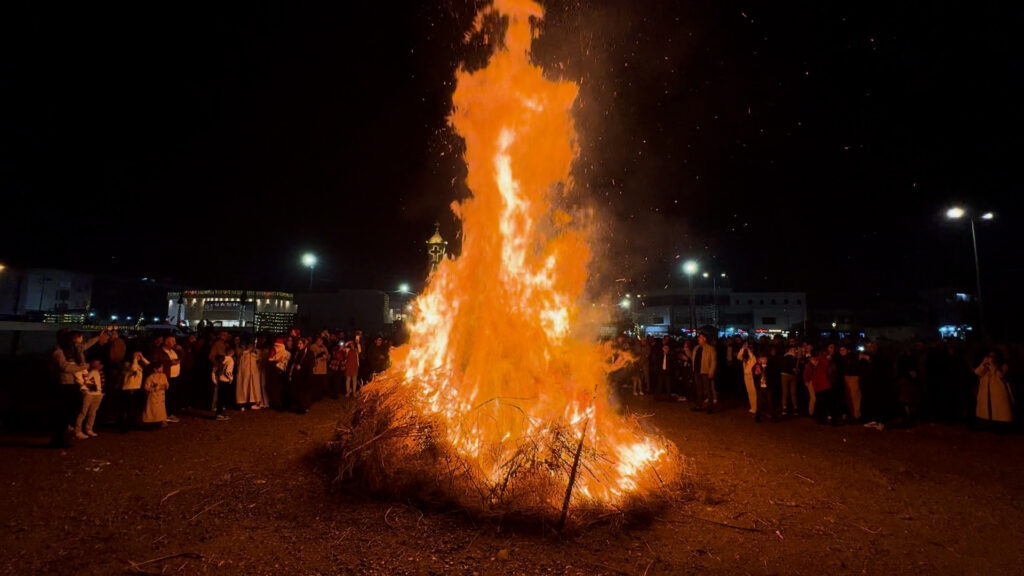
{"x":995,"y":399}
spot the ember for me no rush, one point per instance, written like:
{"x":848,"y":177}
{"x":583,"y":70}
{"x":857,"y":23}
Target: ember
{"x":500,"y":400}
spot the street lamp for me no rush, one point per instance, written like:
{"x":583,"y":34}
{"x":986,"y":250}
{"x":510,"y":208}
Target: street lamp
{"x":403,"y":288}
{"x":309,"y":260}
{"x":690,"y":268}
{"x":955,"y":213}
{"x":714,"y":293}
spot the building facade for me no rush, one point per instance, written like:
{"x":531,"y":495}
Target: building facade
{"x":682,"y":311}
{"x":40,"y":292}
{"x":263,"y":311}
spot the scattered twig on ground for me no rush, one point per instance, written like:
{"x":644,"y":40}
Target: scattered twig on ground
{"x":709,"y":521}
{"x":868,"y":530}
{"x":169,"y":494}
{"x":649,"y":566}
{"x":612,"y":568}
{"x":955,"y":553}
{"x":803,"y":477}
{"x":785,"y":503}
{"x":204,"y":510}
{"x":386,"y":518}
{"x":136,"y":567}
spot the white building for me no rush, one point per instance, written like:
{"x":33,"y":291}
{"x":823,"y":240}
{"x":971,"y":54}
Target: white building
{"x":676,"y":312}
{"x":265,"y":311}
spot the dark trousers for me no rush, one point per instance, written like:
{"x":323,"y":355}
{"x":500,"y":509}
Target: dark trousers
{"x":174,"y":396}
{"x":765,"y":406}
{"x":662,"y":381}
{"x":827,"y":405}
{"x":276,"y":394}
{"x":301,"y":392}
{"x":129,"y":409}
{"x":67,"y":404}
{"x":223,"y":394}
{"x":335,"y":383}
{"x":703,"y":392}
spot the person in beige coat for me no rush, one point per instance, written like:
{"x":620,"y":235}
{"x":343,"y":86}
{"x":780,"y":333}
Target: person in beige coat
{"x":705,"y":366}
{"x":156,"y":385}
{"x":748,"y":358}
{"x":995,"y":399}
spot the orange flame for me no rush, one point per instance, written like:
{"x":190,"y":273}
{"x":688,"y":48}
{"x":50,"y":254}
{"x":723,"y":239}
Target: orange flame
{"x":493,"y":347}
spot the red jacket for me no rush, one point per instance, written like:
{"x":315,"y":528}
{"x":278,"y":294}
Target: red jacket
{"x":821,"y":379}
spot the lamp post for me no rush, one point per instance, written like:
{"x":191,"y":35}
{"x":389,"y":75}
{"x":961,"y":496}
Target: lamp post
{"x":309,"y":260}
{"x":714,"y":293}
{"x":690,"y":268}
{"x":955,"y":213}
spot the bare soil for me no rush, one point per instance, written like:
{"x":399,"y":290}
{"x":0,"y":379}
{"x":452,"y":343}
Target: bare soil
{"x":247,"y":497}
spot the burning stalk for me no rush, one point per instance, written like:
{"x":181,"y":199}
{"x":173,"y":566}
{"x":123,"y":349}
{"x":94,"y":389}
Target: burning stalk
{"x":572,"y":475}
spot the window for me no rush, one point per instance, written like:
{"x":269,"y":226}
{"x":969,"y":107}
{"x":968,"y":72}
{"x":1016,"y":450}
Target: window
{"x":768,"y":320}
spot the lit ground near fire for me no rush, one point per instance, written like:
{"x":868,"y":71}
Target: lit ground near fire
{"x":245,"y":497}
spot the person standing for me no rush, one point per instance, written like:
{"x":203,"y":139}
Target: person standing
{"x":318,"y":381}
{"x":761,"y":377}
{"x":248,"y":390}
{"x":277,"y":376}
{"x":704,"y":368}
{"x":222,"y":375}
{"x":90,"y":383}
{"x":66,"y":360}
{"x":300,"y":375}
{"x":789,"y":379}
{"x":351,"y":369}
{"x":131,"y":392}
{"x":748,"y":359}
{"x":168,"y":356}
{"x":156,"y":409}
{"x":995,"y":398}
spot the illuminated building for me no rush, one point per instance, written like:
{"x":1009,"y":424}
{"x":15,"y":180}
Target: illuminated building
{"x":263,"y":311}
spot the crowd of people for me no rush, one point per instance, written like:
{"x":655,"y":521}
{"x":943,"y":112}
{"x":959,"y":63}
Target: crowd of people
{"x":837,"y":382}
{"x":146,"y":382}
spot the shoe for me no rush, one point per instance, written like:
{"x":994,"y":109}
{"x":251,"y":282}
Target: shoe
{"x":80,"y":436}
{"x":242,"y":409}
{"x":256,"y":407}
{"x":751,"y":411}
{"x":91,"y":433}
{"x":696,"y":409}
{"x":222,"y":417}
{"x":173,"y":418}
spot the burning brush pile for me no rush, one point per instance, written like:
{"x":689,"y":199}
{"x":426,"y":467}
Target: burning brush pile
{"x":499,"y":404}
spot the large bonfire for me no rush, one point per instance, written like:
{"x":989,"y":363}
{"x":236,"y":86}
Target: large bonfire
{"x":499,"y":402}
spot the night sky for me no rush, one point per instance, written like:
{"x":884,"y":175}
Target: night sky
{"x":795,"y":146}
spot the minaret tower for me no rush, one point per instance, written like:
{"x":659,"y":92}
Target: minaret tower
{"x":436,"y":248}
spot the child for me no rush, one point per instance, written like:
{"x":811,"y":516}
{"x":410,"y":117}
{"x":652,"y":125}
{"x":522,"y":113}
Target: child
{"x":156,"y":409}
{"x":91,"y":384}
{"x":764,"y":393}
{"x":223,"y":374}
{"x":131,"y":391}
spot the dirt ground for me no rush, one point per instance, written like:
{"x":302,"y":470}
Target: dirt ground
{"x":246,"y":497}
